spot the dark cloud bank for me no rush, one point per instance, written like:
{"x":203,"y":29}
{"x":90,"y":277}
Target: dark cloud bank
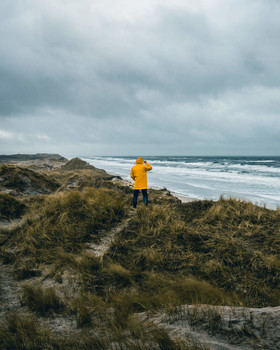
{"x":150,"y":77}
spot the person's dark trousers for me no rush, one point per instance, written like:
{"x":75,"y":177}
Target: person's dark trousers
{"x":135,"y":197}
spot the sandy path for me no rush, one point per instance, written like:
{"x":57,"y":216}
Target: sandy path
{"x":12,"y":225}
{"x":9,"y":291}
{"x":232,"y":328}
{"x":99,"y":249}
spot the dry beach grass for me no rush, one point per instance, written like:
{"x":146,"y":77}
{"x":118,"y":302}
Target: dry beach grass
{"x":58,"y":293}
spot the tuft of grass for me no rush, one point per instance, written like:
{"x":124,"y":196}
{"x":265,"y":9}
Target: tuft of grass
{"x":88,"y":308}
{"x":119,"y":274}
{"x":21,"y":331}
{"x":208,"y":316}
{"x":10,"y":207}
{"x":26,"y":273}
{"x":41,"y":300}
{"x":6,"y":256}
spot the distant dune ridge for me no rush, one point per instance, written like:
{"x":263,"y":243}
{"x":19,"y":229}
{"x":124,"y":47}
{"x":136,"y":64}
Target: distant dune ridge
{"x":35,"y":161}
{"x":80,"y":269}
{"x":24,"y":157}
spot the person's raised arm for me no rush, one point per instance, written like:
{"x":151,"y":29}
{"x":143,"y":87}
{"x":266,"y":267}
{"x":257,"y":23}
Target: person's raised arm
{"x":148,"y":166}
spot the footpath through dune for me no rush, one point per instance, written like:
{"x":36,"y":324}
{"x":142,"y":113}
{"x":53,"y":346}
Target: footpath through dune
{"x":9,"y":291}
{"x":99,"y":249}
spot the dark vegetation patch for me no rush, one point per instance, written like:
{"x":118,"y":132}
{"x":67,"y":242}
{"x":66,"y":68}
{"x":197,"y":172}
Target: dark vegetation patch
{"x":26,"y":273}
{"x":41,"y":300}
{"x":20,"y":332}
{"x":194,"y":210}
{"x":10,"y":207}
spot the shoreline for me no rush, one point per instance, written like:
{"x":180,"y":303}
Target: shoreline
{"x":182,"y":198}
{"x":250,"y":180}
{"x":53,"y":162}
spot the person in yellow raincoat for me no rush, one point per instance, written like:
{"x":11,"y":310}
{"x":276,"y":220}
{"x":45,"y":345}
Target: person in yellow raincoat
{"x":139,"y":175}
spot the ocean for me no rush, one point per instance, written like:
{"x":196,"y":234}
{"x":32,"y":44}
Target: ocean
{"x":255,"y":179}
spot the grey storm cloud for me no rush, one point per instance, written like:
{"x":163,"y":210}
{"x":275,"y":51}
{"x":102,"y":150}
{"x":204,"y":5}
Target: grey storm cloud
{"x":154,"y":77}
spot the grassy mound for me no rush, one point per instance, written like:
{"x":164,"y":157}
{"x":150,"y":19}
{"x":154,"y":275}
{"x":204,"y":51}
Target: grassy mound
{"x":233,"y":245}
{"x":77,"y":164}
{"x":67,"y":220}
{"x":25,"y":181}
{"x":163,"y":256}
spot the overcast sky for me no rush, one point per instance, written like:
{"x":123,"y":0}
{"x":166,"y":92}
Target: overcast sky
{"x":152,"y":77}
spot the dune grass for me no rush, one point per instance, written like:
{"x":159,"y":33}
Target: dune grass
{"x":24,"y":180}
{"x":10,"y":207}
{"x":41,"y":300}
{"x":20,"y":332}
{"x":66,"y":221}
{"x":169,"y":254}
{"x":231,"y":244}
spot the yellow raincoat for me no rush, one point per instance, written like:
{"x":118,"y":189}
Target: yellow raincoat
{"x":139,"y":174}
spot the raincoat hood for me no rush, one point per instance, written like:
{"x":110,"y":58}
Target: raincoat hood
{"x":140,"y":160}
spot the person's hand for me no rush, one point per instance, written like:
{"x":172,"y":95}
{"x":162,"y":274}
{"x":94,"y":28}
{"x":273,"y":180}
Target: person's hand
{"x":145,"y":161}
